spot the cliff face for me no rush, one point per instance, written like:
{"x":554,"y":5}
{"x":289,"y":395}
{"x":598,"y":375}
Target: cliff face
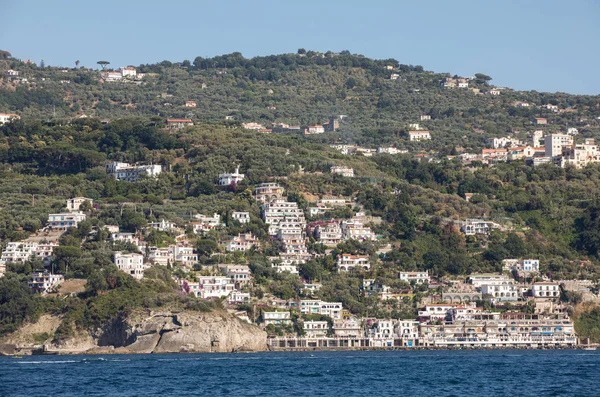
{"x":159,"y":332}
{"x":166,"y":332}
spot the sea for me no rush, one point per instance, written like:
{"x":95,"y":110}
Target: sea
{"x":462,"y":373}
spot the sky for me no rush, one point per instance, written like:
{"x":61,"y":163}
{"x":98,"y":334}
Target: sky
{"x":537,"y":45}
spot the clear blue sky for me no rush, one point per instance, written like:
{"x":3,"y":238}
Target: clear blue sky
{"x":531,"y":45}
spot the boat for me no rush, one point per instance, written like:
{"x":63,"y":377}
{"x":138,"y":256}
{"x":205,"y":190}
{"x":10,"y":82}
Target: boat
{"x":590,"y":348}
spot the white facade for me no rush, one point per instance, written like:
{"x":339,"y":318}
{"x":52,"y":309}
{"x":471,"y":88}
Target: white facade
{"x":316,"y":329}
{"x":74,"y":203}
{"x":545,"y":290}
{"x":355,"y":230}
{"x":478,"y":280}
{"x":276,"y":318}
{"x":22,"y":251}
{"x":267,"y":192}
{"x":228,"y":179}
{"x":242,"y":242}
{"x":416,"y":277}
{"x":241,"y":217}
{"x":502,"y":292}
{"x":478,"y":226}
{"x":554,"y":143}
{"x":7,"y":117}
{"x":279,"y":212}
{"x":329,"y":234}
{"x":419,"y":135}
{"x":342,"y":170}
{"x":214,"y":287}
{"x":42,"y":282}
{"x":132,"y":173}
{"x":314,"y":129}
{"x":132,"y":264}
{"x":346,"y":262}
{"x":66,"y":220}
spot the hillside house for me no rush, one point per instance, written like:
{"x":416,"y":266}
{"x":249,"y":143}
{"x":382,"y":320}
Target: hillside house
{"x":267,"y":192}
{"x":314,"y":129}
{"x":179,"y":123}
{"x":541,"y":121}
{"x":132,"y":173}
{"x":132,"y":264}
{"x":190,"y":104}
{"x":342,"y":170}
{"x":419,"y":135}
{"x":74,"y":203}
{"x":234,"y":177}
{"x":63,"y":221}
{"x":347,"y":262}
{"x":415,"y":277}
{"x":241,"y":217}
{"x":42,"y":282}
{"x":8,"y":117}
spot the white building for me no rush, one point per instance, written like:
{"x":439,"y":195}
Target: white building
{"x":267,"y":192}
{"x":419,"y":135}
{"x":554,"y":144}
{"x":276,"y":318}
{"x":416,"y":277}
{"x":354,"y":229}
{"x":241,"y":217}
{"x":132,"y":264}
{"x":315,"y":329}
{"x":314,"y":129}
{"x":545,"y":290}
{"x":132,"y":173}
{"x":163,"y":225}
{"x":236,"y":298}
{"x":74,"y":203}
{"x":43,"y":282}
{"x":253,"y":126}
{"x":8,"y":117}
{"x":123,"y":237}
{"x":521,"y":265}
{"x":478,"y":280}
{"x":228,"y":179}
{"x":342,"y":170}
{"x":128,"y":71}
{"x":347,"y":262}
{"x":22,"y":251}
{"x":241,"y":242}
{"x":502,"y":292}
{"x":329,"y":234}
{"x":472,"y":227}
{"x":279,"y":211}
{"x":240,"y":275}
{"x":214,"y":287}
{"x":66,"y":220}
{"x":184,"y":255}
{"x":205,"y":223}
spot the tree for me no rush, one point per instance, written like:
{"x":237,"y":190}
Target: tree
{"x":77,"y":63}
{"x":42,"y":64}
{"x":481,"y":78}
{"x":301,"y":51}
{"x":103,"y":64}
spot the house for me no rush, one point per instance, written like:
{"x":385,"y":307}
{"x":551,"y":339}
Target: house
{"x":214,"y":287}
{"x":132,"y":173}
{"x":228,"y":179}
{"x":8,"y":117}
{"x":128,"y":71}
{"x":502,"y":292}
{"x":449,"y":82}
{"x":472,"y":227}
{"x":253,"y":126}
{"x":282,"y":212}
{"x":241,"y":217}
{"x":74,"y":203}
{"x":572,"y":131}
{"x":394,"y":76}
{"x":554,"y":144}
{"x":22,"y":251}
{"x":354,"y":229}
{"x":329,"y":234}
{"x":348,"y":328}
{"x":521,"y":265}
{"x":11,"y":73}
{"x":132,"y":264}
{"x":390,"y":150}
{"x":238,"y":298}
{"x":333,"y":124}
{"x":163,"y":225}
{"x":541,"y":121}
{"x":545,"y":290}
{"x":419,"y":135}
{"x":276,"y":318}
{"x":206,"y":223}
{"x":551,"y":107}
{"x":462,"y":83}
{"x":184,"y":255}
{"x":63,"y":221}
{"x":240,"y":275}
{"x":111,"y":76}
{"x":580,"y":155}
{"x":520,"y":152}
{"x":122,"y":237}
{"x":347,"y":262}
{"x":494,"y":92}
{"x":179,"y":123}
{"x":267,"y":192}
{"x":481,"y":279}
{"x":415,"y":277}
{"x":315,"y":329}
{"x":190,"y":104}
{"x":342,"y":170}
{"x":42,"y":282}
{"x":242,"y":242}
{"x":314,"y":129}
{"x":425,"y":117}
{"x":502,"y":142}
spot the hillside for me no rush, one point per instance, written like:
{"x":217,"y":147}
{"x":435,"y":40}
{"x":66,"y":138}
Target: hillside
{"x":409,"y":207}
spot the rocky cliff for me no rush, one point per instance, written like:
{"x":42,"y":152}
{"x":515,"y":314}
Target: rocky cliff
{"x":157,"y":332}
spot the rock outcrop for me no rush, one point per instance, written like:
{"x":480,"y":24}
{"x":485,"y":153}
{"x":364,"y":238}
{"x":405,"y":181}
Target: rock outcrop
{"x":168,"y":332}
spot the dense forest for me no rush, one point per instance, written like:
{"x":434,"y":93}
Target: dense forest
{"x":52,"y":154}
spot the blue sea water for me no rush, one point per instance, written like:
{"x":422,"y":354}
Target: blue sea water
{"x":392,"y":373}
